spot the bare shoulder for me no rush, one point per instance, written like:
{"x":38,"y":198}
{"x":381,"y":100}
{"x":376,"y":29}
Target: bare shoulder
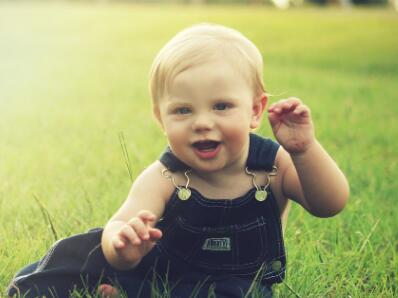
{"x":283,"y":162}
{"x":153,"y":179}
{"x":150,"y":191}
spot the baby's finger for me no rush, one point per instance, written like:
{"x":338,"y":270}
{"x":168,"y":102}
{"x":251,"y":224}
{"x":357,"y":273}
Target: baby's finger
{"x":302,"y":110}
{"x":288,"y":105}
{"x":155,"y":234}
{"x":275,"y":107}
{"x":146,"y":216}
{"x":127,"y":232}
{"x":118,"y":243}
{"x":294,"y":101}
{"x":284,"y":105}
{"x":139,"y":227}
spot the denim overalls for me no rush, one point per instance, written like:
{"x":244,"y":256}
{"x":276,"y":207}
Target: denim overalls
{"x":208,"y":247}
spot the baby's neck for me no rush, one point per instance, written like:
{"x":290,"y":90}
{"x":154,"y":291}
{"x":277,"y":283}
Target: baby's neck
{"x":221,"y":185}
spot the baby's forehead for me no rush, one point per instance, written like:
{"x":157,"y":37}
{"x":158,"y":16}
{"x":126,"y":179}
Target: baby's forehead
{"x":212,"y":81}
{"x":217,"y":67}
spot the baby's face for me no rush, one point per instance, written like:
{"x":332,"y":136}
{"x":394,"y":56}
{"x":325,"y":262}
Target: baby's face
{"x":207,"y":116}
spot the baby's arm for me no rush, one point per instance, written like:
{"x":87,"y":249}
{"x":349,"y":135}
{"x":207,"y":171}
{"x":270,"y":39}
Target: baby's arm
{"x":129,"y":235}
{"x":309,"y":174}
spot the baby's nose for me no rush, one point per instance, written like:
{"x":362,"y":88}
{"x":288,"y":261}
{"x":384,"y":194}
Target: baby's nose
{"x":202,"y":122}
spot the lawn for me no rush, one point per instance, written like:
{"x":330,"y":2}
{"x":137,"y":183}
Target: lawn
{"x":73,"y":79}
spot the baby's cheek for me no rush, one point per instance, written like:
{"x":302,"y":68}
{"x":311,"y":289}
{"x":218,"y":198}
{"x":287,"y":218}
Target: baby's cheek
{"x":237,"y":137}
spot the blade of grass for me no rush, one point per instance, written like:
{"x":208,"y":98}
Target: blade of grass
{"x":46,"y":216}
{"x":126,"y":156}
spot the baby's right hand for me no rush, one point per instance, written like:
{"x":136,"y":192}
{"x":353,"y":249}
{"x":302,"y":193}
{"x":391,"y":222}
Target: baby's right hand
{"x":137,"y":237}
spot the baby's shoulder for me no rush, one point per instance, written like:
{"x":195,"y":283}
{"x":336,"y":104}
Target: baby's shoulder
{"x":156,"y":180}
{"x":282,"y":163}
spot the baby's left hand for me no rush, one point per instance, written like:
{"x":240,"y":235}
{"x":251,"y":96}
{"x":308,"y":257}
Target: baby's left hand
{"x":292,"y":125}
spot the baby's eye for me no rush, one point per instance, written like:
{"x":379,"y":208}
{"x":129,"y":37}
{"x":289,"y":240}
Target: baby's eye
{"x":182,"y":111}
{"x":221,"y":106}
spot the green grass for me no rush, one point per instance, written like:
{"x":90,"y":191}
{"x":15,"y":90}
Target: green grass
{"x":74,"y":76}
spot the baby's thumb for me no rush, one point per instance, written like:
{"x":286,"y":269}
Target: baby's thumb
{"x":155,"y":234}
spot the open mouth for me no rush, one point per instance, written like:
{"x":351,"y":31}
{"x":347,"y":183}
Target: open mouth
{"x":206,"y":149}
{"x":206,"y":145}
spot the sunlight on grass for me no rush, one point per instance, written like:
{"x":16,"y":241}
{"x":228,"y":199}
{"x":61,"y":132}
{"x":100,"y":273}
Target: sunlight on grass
{"x":73,"y":79}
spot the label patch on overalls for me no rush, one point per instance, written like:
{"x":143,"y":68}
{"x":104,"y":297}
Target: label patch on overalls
{"x":217,"y":244}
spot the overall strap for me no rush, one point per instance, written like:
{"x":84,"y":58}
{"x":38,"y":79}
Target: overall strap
{"x":171,"y":162}
{"x":262,"y":153}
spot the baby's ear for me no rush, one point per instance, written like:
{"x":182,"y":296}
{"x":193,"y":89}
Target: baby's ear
{"x":259,"y":104}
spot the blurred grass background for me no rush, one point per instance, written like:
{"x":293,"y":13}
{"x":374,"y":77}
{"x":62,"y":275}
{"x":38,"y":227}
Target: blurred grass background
{"x":73,"y":77}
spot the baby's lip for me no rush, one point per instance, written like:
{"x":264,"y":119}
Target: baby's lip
{"x":207,"y":150}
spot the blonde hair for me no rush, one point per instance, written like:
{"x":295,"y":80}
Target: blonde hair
{"x":199,"y":44}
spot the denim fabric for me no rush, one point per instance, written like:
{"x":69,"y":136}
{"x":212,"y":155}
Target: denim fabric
{"x":240,"y":237}
{"x":59,"y":277}
{"x":69,"y":263}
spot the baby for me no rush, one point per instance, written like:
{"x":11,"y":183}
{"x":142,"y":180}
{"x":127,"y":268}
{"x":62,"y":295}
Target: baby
{"x":206,"y":218}
{"x":208,"y":212}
